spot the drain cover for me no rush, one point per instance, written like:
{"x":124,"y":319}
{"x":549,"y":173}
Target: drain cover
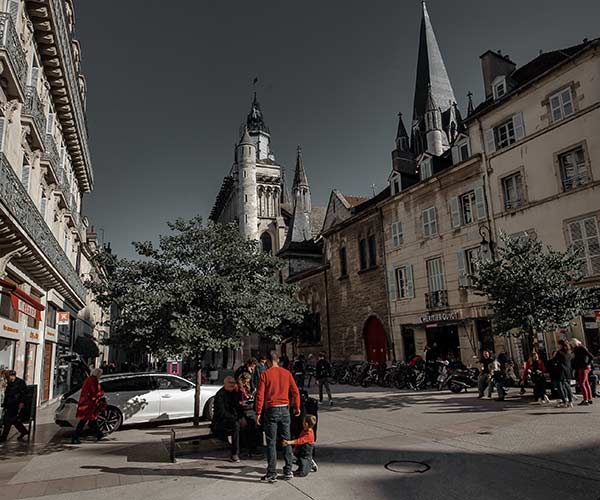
{"x":407,"y":467}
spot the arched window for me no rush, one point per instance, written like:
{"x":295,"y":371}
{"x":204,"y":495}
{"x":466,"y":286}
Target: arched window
{"x":266,"y":243}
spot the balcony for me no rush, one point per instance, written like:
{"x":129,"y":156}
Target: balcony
{"x":34,"y":116}
{"x":437,"y":299}
{"x":575,"y":181}
{"x":13,"y":58}
{"x":23,"y":229}
{"x":52,"y":159}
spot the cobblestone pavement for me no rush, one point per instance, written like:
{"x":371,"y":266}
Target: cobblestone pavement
{"x":372,"y":444}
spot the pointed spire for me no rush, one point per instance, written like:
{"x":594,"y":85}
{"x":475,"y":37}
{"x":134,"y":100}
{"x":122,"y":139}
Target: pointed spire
{"x":431,"y":104}
{"x":300,"y":174}
{"x":255,"y":120}
{"x":401,"y":135}
{"x":246,"y":139}
{"x":470,"y":107}
{"x":431,"y":70}
{"x":285,"y":192}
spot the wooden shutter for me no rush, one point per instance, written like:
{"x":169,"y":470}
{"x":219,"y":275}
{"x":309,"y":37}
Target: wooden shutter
{"x":395,"y":241}
{"x":43,"y":205}
{"x":2,"y":122}
{"x":455,"y":155}
{"x":25,"y":174}
{"x":455,"y":211}
{"x":518,"y":126}
{"x":433,"y":219}
{"x":592,"y":244}
{"x":490,"y":141}
{"x":462,"y":269}
{"x":425,"y":221}
{"x":393,"y":290}
{"x":480,"y":208}
{"x":400,"y":233}
{"x":410,"y":287}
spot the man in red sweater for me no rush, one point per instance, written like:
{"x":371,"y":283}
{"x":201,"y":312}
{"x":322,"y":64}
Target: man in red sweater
{"x":276,"y":390}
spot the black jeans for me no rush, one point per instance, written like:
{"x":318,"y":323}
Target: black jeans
{"x":93,"y":425}
{"x":231,"y":430}
{"x":276,"y":422}
{"x":8,"y":422}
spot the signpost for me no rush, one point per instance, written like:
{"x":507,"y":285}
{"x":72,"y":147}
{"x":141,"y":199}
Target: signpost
{"x":197,"y":398}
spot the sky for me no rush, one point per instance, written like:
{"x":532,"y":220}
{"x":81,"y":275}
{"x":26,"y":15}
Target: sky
{"x":170,"y":82}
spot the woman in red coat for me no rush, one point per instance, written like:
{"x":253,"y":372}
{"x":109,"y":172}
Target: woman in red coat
{"x":90,"y":403}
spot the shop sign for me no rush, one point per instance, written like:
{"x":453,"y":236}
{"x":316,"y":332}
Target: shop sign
{"x":34,"y":336}
{"x":430,"y":318}
{"x":10,"y":329}
{"x":50,"y":334}
{"x":63,"y":318}
{"x":28,"y":309}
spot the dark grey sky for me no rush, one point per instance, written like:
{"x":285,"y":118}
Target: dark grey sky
{"x":169,"y":83}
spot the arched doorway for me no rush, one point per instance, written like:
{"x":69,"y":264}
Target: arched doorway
{"x":375,"y":340}
{"x":266,"y":242}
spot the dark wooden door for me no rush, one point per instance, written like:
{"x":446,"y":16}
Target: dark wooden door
{"x":47,"y":369}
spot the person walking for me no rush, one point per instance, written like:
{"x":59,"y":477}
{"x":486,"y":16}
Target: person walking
{"x":276,"y":391}
{"x":227,"y":416}
{"x":582,"y":364}
{"x":91,"y":401}
{"x":484,"y":380}
{"x":562,"y":361}
{"x":14,"y":402}
{"x":323,"y":373}
{"x":299,"y":368}
{"x":499,"y":379}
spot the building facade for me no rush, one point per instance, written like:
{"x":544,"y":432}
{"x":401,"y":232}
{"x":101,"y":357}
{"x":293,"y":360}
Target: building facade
{"x":538,"y":134}
{"x":45,"y":170}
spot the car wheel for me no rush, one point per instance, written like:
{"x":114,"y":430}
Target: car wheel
{"x":110,"y":420}
{"x":209,"y":409}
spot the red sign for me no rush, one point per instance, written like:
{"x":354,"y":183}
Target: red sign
{"x":63,"y":318}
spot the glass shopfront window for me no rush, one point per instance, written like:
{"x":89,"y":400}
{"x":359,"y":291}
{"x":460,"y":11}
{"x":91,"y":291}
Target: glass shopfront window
{"x":7,"y":362}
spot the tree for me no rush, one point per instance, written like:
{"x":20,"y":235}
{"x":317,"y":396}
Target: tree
{"x":533,"y":288}
{"x":204,"y":287}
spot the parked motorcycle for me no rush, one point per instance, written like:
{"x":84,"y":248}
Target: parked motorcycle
{"x":462,"y":379}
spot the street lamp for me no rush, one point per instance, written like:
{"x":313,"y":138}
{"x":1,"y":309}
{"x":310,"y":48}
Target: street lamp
{"x":486,"y":246}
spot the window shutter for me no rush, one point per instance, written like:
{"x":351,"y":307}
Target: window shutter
{"x":43,"y":205}
{"x":590,"y":227}
{"x":400,"y":233}
{"x":50,"y":124}
{"x":25,"y":176}
{"x":2,"y":121}
{"x":455,"y":211}
{"x":34,"y":76}
{"x":518,"y":126}
{"x":462,"y":269}
{"x":455,"y":155}
{"x":410,"y":287}
{"x":433,"y":219}
{"x":490,"y":142}
{"x":392,"y":284}
{"x":480,"y":203}
{"x":395,"y":235}
{"x":425,"y":220}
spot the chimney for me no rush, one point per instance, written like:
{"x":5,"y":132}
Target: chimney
{"x":493,"y":65}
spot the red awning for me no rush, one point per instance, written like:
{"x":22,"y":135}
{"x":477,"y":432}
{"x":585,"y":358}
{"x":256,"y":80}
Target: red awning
{"x":27,"y":304}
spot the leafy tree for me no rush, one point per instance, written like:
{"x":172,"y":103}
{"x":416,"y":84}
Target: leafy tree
{"x":533,"y":288}
{"x":203,"y":287}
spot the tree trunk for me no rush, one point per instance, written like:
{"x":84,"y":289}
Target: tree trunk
{"x":197,"y":393}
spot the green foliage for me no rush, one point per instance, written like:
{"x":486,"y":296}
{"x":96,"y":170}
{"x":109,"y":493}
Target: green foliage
{"x":532,"y":288}
{"x":202,"y":288}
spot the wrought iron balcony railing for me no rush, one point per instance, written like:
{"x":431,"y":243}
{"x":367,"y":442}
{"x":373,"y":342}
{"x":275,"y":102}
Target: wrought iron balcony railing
{"x":437,"y":299}
{"x":34,"y":109}
{"x":51,"y":153}
{"x":9,"y":42}
{"x":23,"y":209}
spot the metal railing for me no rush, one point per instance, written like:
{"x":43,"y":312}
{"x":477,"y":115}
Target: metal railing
{"x":9,"y":41}
{"x":51,"y":153}
{"x":20,"y":205}
{"x":437,"y":299}
{"x":35,"y":109}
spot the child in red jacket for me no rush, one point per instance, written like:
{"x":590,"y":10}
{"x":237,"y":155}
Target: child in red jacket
{"x":304,"y":446}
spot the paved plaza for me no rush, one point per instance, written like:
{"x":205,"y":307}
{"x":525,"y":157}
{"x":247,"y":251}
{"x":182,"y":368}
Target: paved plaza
{"x":435,"y":446}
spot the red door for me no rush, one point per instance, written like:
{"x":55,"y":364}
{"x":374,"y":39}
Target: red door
{"x":376,"y":341}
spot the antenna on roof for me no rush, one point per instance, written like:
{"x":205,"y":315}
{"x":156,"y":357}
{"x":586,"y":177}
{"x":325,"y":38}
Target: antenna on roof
{"x":374,"y":188}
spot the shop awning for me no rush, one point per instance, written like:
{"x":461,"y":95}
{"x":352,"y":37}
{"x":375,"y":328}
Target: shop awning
{"x":86,"y":346}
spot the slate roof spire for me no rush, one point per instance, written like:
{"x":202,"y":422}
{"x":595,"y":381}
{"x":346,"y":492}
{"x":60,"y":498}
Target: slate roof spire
{"x":300,"y":179}
{"x":401,"y":135}
{"x":255,"y":120}
{"x":431,"y":71}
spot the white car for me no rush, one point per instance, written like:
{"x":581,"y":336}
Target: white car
{"x":134,"y":398}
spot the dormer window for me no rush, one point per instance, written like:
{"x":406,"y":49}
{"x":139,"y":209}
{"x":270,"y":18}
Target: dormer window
{"x":425,"y":169}
{"x":395,"y":185}
{"x":499,"y":87}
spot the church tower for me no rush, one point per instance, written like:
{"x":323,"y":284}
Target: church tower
{"x":247,"y":203}
{"x":432,"y":85}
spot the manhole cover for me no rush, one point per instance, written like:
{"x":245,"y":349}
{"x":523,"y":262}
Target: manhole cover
{"x":407,"y":467}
